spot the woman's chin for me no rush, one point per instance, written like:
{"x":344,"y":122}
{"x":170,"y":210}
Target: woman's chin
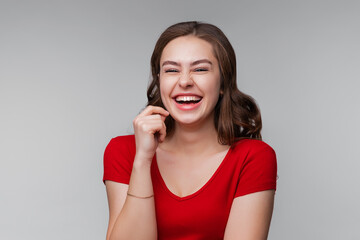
{"x":191,"y":122}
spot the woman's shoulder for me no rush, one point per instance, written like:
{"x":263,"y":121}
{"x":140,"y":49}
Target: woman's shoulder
{"x":251,"y":146}
{"x":118,"y":158}
{"x":121,"y":144}
{"x":124,"y":139}
{"x":256,"y":166}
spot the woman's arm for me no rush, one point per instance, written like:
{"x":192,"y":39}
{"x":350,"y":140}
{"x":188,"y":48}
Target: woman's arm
{"x":132,"y":208}
{"x":250,"y":216}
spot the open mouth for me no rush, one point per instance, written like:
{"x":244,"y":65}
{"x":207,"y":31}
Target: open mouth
{"x":188,"y":99}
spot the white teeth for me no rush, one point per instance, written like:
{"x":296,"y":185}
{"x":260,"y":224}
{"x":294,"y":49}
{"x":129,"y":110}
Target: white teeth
{"x":187,"y":98}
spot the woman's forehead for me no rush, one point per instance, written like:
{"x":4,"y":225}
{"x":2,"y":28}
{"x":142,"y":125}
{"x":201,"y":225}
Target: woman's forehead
{"x":188,"y":49}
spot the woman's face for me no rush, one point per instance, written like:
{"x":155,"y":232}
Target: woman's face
{"x":189,"y":80}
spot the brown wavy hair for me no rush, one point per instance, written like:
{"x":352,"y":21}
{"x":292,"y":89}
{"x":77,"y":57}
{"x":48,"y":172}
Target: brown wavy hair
{"x":236,"y":114}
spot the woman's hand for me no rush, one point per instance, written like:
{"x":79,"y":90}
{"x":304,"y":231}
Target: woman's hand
{"x":149,"y":130}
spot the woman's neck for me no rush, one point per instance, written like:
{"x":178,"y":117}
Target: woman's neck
{"x":194,"y":140}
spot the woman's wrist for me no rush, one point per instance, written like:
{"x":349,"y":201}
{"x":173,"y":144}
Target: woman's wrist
{"x":143,"y":159}
{"x":142,"y":164}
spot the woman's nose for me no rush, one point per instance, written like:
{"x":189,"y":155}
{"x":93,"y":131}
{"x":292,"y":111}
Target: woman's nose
{"x":185,"y":80}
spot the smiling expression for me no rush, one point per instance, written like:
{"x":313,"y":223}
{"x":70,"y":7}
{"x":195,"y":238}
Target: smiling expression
{"x":189,"y":80}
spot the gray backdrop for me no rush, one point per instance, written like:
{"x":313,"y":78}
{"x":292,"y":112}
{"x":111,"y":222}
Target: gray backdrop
{"x":73,"y":74}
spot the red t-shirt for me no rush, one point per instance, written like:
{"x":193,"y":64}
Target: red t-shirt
{"x":249,"y":166}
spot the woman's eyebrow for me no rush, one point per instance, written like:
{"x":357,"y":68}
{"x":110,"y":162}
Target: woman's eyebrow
{"x":192,"y":64}
{"x":170,"y":63}
{"x":201,"y":61}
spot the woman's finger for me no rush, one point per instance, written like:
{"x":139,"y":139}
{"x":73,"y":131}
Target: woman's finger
{"x":162,"y":133}
{"x":148,"y":119}
{"x":150,"y":110}
{"x":148,"y":125}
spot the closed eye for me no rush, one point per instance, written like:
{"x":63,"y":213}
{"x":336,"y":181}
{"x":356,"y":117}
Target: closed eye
{"x":201,"y":69}
{"x":171,"y":70}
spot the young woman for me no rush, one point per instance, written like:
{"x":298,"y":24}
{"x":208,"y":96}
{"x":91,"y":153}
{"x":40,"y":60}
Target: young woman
{"x":196,"y":167}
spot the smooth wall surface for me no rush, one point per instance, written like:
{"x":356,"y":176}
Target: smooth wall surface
{"x":73,"y":74}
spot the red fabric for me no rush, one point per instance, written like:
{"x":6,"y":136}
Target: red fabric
{"x":249,"y":166}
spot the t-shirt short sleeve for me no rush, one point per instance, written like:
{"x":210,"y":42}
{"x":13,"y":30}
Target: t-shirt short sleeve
{"x":258,"y":171}
{"x":118,"y":159}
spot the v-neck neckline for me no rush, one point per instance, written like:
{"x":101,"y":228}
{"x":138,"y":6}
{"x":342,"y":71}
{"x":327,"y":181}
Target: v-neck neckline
{"x":197,"y":192}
